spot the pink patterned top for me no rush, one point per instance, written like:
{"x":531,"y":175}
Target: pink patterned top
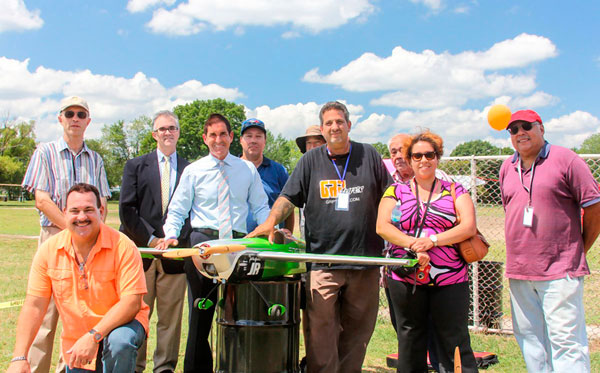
{"x":446,"y":266}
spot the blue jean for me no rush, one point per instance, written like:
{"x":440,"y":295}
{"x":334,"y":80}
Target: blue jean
{"x":549,"y":324}
{"x":119,"y":349}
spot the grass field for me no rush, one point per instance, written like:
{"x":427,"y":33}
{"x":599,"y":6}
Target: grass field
{"x":21,"y":219}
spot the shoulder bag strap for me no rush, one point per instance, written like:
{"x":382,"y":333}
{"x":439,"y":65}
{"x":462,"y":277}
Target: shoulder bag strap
{"x":453,"y":192}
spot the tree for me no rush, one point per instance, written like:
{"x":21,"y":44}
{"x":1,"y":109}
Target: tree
{"x":114,"y":150}
{"x":479,"y":147}
{"x":191,"y":120}
{"x":121,"y":141}
{"x":17,"y":140}
{"x":11,"y":170}
{"x":382,"y":149}
{"x":17,"y":144}
{"x":283,"y":151}
{"x":591,"y":145}
{"x":139,"y":136}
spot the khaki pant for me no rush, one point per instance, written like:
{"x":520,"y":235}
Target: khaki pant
{"x":40,"y":352}
{"x":342,"y":308}
{"x":169,"y":292}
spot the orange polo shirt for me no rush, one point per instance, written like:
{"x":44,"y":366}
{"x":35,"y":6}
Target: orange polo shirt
{"x":113,"y":269}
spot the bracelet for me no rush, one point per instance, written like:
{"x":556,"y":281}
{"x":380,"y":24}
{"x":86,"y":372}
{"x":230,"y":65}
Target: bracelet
{"x":18,"y":358}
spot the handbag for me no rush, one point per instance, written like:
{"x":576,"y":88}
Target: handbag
{"x":473,"y":248}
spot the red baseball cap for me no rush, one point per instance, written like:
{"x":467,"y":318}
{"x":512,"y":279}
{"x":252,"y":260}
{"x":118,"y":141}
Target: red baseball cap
{"x":525,"y":116}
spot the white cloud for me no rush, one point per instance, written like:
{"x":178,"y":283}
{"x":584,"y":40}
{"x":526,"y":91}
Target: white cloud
{"x":431,"y":4}
{"x":194,"y":16}
{"x":536,"y":100}
{"x":36,"y":95}
{"x":572,"y":129}
{"x":455,"y":125}
{"x":429,"y":80}
{"x":578,"y":121}
{"x":290,"y":35}
{"x":462,"y":9}
{"x":135,"y":6}
{"x":15,"y":16}
{"x":291,"y":120}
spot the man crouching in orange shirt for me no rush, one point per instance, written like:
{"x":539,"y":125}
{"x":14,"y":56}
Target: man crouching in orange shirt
{"x":96,"y":276}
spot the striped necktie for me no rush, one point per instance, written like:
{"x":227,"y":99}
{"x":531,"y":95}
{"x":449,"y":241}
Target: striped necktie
{"x":225,"y":229}
{"x":165,"y":183}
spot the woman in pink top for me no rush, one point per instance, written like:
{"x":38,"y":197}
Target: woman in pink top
{"x":420,"y":217}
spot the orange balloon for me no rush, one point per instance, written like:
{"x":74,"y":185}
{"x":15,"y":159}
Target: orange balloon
{"x":499,"y":117}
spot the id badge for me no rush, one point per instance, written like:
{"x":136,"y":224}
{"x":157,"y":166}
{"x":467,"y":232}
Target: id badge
{"x":342,"y":202}
{"x":528,"y":216}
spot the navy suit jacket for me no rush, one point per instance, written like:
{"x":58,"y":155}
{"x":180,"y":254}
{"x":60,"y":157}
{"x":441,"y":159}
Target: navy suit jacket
{"x":140,"y":205}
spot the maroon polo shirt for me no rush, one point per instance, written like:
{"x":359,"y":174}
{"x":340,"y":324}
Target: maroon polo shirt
{"x":553,"y":246}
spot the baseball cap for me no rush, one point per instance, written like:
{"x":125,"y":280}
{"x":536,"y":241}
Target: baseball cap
{"x":253,"y":122}
{"x":525,"y":116}
{"x":74,"y":101}
{"x":310,"y":131}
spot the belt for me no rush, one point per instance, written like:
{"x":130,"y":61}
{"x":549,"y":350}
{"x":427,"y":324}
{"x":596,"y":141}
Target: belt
{"x":213,"y":233}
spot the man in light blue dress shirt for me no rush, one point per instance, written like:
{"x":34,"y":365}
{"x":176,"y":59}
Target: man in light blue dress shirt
{"x":196,"y":196}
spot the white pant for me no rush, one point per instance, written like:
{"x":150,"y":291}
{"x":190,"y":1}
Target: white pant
{"x":549,"y":324}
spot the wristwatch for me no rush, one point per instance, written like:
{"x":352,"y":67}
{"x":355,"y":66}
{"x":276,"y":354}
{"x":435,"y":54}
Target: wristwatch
{"x":433,"y":239}
{"x":96,"y":335}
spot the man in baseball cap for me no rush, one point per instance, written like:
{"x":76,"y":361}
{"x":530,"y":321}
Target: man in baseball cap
{"x":313,"y":138}
{"x":253,"y":139}
{"x":544,"y":187}
{"x":67,"y":102}
{"x":50,"y":181}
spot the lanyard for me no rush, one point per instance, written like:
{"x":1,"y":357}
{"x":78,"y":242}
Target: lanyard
{"x":420,"y":229}
{"x":530,"y":189}
{"x":342,"y":176}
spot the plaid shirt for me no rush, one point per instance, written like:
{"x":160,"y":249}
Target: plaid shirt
{"x":53,"y":168}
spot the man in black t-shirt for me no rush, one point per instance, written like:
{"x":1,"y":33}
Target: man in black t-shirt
{"x":340,"y":185}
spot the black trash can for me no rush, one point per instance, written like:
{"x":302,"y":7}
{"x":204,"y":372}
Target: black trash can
{"x":258,"y":326}
{"x":485,"y":285}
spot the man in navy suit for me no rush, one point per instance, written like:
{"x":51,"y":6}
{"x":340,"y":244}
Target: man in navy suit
{"x":148,"y":184}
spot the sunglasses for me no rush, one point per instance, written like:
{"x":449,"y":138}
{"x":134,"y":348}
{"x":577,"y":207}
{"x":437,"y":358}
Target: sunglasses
{"x":165,"y":129}
{"x":418,"y":156}
{"x":514,"y":128}
{"x":80,"y":114}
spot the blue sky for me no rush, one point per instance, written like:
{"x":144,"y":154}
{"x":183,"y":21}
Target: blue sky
{"x":398,"y":65}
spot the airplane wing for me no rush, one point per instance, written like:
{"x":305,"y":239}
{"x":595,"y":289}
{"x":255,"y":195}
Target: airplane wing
{"x":335,"y":259}
{"x":257,"y":258}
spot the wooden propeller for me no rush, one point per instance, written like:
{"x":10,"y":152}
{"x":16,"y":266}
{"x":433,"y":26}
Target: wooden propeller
{"x":209,"y":250}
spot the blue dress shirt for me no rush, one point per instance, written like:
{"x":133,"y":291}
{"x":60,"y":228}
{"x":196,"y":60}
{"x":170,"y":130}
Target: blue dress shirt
{"x":196,"y":195}
{"x":273,"y":176}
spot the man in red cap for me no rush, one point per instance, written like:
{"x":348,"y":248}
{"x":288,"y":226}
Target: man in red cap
{"x":544,"y":187}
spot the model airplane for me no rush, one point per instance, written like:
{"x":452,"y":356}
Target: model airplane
{"x":258,"y":259}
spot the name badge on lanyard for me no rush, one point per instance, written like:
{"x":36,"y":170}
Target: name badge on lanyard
{"x":342,"y":202}
{"x":528,"y":210}
{"x":528,"y":216}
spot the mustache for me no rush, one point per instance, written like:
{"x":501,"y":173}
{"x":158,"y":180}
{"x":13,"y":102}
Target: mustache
{"x":86,"y":221}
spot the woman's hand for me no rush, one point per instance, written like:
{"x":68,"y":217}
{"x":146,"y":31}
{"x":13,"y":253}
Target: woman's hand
{"x":420,"y":245}
{"x":423,"y":259}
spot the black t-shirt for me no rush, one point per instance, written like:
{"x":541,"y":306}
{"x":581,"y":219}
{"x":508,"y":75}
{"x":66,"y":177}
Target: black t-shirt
{"x":314,"y":184}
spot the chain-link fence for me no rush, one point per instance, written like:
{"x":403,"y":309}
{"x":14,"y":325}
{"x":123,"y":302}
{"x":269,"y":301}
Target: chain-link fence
{"x":490,"y":302}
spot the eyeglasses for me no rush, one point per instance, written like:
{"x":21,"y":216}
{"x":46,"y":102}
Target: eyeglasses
{"x":418,"y":156}
{"x":165,"y":129}
{"x":80,"y":114}
{"x":514,"y":128}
